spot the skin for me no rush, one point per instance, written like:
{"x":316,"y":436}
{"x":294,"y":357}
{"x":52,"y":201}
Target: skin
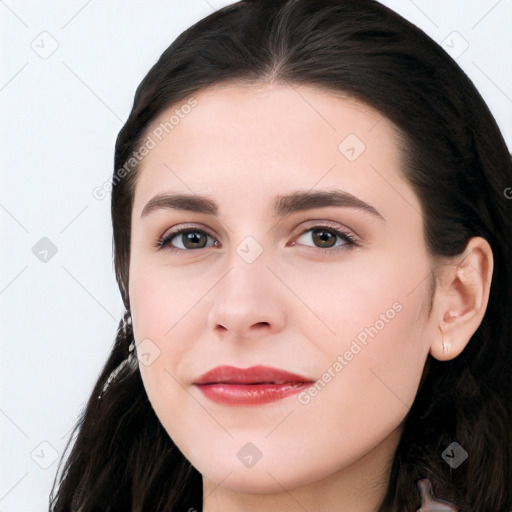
{"x":294,"y":307}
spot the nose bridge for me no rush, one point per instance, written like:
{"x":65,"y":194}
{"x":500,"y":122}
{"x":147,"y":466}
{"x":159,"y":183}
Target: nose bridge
{"x":248,"y":296}
{"x":248,"y":277}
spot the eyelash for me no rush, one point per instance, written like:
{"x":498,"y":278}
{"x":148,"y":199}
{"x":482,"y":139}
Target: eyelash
{"x":350,"y":242}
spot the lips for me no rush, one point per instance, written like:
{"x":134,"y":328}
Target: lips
{"x":250,"y":386}
{"x":252,"y":375}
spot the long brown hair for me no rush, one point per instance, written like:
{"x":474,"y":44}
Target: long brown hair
{"x":456,"y":160}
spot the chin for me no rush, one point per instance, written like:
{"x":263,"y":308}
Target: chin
{"x":268,"y":475}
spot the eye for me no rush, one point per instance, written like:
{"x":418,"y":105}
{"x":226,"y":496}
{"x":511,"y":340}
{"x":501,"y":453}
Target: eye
{"x":324,"y":237}
{"x":191,"y":238}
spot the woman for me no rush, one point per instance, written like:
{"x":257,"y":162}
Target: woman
{"x":311,"y":236}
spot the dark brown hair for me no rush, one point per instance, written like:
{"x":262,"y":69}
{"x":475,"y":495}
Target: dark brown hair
{"x":456,"y":160}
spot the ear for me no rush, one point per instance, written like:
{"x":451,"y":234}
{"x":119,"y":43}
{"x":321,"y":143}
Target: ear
{"x":461,"y":299}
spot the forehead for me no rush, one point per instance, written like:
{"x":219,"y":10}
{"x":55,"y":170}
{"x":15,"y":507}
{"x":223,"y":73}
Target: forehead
{"x":264,"y":139}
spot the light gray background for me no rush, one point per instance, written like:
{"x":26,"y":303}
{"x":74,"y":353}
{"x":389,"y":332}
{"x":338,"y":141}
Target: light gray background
{"x":60,"y":116}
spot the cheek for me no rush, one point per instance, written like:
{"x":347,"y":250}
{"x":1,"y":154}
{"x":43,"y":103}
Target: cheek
{"x":375,"y":298}
{"x":160,"y":297}
{"x":167,"y":317}
{"x":371,"y":334}
{"x":371,"y":377}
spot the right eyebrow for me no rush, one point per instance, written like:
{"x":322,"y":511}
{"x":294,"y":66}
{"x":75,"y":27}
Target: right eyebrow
{"x":187,"y":202}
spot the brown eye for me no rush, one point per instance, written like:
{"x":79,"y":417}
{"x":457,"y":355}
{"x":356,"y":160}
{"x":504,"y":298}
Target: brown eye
{"x":187,"y":238}
{"x":193,"y":239}
{"x":324,"y":237}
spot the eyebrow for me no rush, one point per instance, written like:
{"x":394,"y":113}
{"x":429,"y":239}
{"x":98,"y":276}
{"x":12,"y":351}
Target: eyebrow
{"x":283,"y":204}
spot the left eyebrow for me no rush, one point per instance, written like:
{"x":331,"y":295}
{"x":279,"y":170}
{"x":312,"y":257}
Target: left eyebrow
{"x":283,"y":204}
{"x":305,"y":200}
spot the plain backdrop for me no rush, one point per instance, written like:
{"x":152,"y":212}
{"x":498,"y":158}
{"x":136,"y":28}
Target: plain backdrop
{"x":69,"y":70}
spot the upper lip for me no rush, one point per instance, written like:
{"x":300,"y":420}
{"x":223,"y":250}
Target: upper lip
{"x":252,"y":375}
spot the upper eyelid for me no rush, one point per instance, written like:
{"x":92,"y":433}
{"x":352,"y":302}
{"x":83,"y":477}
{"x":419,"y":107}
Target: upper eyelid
{"x":178,"y":230}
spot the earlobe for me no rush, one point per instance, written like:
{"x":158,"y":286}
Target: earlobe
{"x":461,"y":298}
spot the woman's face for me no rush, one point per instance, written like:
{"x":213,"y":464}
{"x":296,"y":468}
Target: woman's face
{"x":268,"y":281}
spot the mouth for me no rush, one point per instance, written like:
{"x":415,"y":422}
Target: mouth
{"x":250,"y":386}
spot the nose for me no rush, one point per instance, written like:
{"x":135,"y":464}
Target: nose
{"x":249,"y":303}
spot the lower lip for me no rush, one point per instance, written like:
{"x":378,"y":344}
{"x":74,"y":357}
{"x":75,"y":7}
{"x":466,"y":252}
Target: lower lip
{"x":251,"y":394}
